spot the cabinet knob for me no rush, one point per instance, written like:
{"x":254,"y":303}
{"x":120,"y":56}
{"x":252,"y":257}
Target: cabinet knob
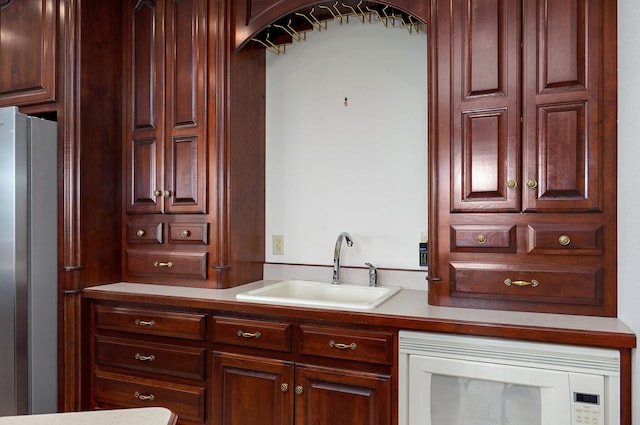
{"x":284,"y":387}
{"x":532,"y":184}
{"x":167,"y":193}
{"x":140,"y":233}
{"x":512,"y":184}
{"x":185,"y":233}
{"x":157,"y":192}
{"x":564,"y":240}
{"x":299,"y":389}
{"x":481,"y":239}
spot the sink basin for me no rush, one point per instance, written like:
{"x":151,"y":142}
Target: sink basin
{"x":320,"y":294}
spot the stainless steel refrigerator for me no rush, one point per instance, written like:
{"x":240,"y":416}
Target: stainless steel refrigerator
{"x":28,"y":264}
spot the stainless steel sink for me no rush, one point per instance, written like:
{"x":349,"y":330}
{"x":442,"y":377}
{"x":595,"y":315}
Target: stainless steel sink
{"x":320,"y":294}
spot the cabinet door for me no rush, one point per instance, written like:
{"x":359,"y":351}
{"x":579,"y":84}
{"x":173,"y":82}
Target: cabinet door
{"x":562,"y":158}
{"x":485,"y":120}
{"x":27,"y":51}
{"x":250,"y":390}
{"x":185,"y":154}
{"x":331,"y":396}
{"x":144,"y":128}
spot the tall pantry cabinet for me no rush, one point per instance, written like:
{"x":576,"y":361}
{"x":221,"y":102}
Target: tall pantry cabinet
{"x":193,"y":154}
{"x":525,"y":156}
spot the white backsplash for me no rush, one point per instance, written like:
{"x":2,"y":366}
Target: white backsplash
{"x":407,"y":279}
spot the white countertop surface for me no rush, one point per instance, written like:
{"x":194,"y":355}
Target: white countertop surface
{"x":408,"y":303}
{"x":139,"y":416}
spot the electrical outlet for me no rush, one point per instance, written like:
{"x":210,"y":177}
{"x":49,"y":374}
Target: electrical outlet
{"x":277,"y":245}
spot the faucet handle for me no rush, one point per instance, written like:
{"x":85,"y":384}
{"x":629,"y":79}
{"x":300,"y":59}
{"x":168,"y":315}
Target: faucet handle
{"x":373,"y":274}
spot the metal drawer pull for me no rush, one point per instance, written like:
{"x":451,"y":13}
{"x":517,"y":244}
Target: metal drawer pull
{"x":340,"y":346}
{"x":144,"y":322}
{"x":142,"y":358}
{"x":533,"y":283}
{"x":140,"y":233}
{"x":248,"y":334}
{"x":160,"y":264}
{"x":481,"y":239}
{"x":564,"y":240}
{"x":143,"y":397}
{"x":185,"y":233}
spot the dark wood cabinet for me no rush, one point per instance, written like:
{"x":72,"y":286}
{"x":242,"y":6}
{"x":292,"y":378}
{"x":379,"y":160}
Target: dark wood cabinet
{"x":165,"y":106}
{"x":143,"y":357}
{"x":273,"y":372}
{"x":524,"y":213}
{"x":28,"y":52}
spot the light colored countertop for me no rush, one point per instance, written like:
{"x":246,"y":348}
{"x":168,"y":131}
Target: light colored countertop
{"x":139,"y":416}
{"x":409,"y":308}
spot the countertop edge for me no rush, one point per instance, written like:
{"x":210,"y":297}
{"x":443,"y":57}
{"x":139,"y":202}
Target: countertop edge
{"x":406,"y":310}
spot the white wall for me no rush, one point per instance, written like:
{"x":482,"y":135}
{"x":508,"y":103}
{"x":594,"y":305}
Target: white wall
{"x":360,"y":168}
{"x":628,"y":177}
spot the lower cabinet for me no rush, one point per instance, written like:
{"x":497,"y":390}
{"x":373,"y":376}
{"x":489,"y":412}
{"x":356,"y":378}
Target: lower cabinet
{"x":142,"y":358}
{"x":272,"y":372}
{"x":219,"y":368}
{"x":252,"y":390}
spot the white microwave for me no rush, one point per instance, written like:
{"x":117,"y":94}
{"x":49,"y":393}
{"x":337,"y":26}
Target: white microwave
{"x":466,"y":380}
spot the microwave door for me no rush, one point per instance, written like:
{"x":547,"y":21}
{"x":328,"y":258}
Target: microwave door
{"x":461,"y":392}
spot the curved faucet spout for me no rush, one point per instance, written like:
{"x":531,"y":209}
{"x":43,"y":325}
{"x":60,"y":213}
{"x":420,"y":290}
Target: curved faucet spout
{"x":336,"y":255}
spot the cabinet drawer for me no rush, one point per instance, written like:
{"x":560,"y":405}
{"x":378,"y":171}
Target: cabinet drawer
{"x":581,"y":239}
{"x":252,"y":333}
{"x":527,"y":282}
{"x":348,"y":344}
{"x":149,"y":322}
{"x":189,"y":233}
{"x":149,"y":233}
{"x":187,"y":401}
{"x":185,"y":362}
{"x":483,"y":238}
{"x":188,"y":265}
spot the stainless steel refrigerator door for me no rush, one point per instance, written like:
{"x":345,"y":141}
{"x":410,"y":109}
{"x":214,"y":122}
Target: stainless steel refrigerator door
{"x":13,"y":264}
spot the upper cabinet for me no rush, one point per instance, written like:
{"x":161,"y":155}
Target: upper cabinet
{"x":525,"y":115}
{"x":28,"y":51}
{"x":525,"y":204}
{"x":165,"y":115}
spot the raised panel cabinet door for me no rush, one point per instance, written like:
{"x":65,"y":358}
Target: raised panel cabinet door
{"x":186,"y":70}
{"x":27,"y":51}
{"x":250,"y":390}
{"x":485,"y":120}
{"x":143,"y":106}
{"x":329,"y":396}
{"x":562,"y":138}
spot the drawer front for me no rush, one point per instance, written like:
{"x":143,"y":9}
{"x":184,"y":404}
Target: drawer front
{"x":189,"y":233}
{"x":252,"y":333}
{"x":528,"y":283}
{"x":185,"y":362}
{"x":149,"y":322}
{"x":187,"y":401}
{"x":347,"y":344}
{"x":149,"y":233}
{"x":188,"y":265}
{"x":580,"y":239}
{"x":483,"y":238}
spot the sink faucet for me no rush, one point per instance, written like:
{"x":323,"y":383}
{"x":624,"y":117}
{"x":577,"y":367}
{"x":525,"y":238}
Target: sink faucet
{"x":336,"y":255}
